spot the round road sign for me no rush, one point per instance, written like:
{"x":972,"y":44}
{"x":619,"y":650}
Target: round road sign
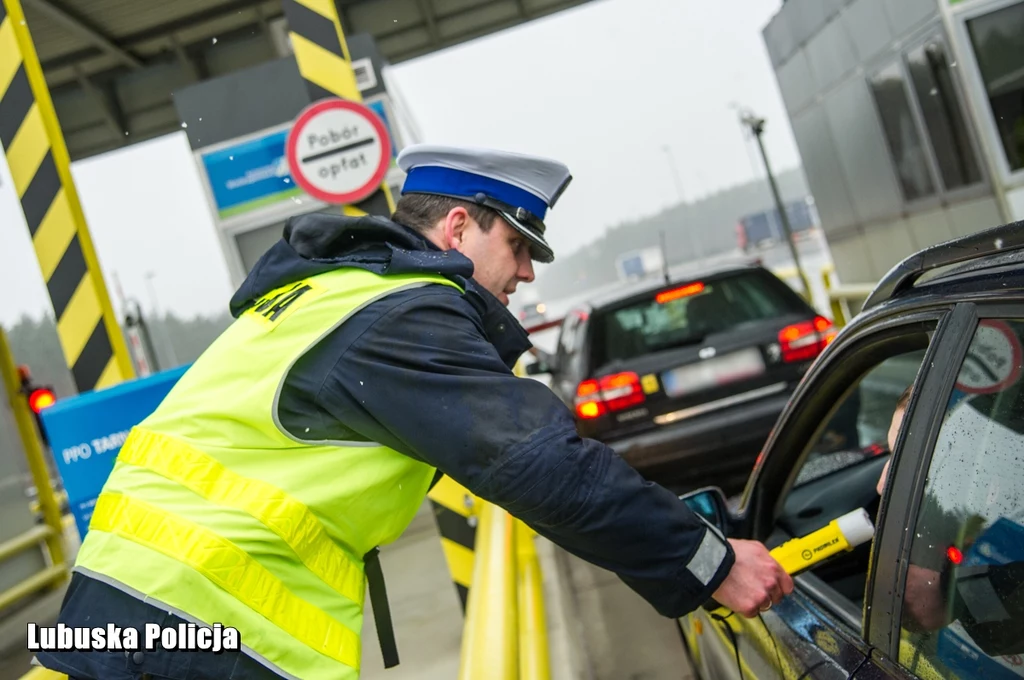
{"x":993,"y":361}
{"x":338,"y":151}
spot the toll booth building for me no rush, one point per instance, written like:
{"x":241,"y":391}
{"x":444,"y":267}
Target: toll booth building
{"x":237,"y":126}
{"x":909,"y":117}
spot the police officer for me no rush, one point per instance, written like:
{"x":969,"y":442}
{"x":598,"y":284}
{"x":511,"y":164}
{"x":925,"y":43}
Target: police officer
{"x":368,"y":357}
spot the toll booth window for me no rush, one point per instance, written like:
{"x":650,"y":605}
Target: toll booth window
{"x":943,"y":117}
{"x":998,"y":42}
{"x":905,"y":146}
{"x":963,"y":607}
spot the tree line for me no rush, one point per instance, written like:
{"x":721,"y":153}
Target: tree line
{"x":176,"y":341}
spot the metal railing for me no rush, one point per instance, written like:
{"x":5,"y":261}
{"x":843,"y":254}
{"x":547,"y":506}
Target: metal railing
{"x":505,"y":635}
{"x":51,"y":532}
{"x":845,"y":301}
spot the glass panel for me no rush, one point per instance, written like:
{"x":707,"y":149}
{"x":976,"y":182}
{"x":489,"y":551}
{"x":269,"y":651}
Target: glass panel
{"x":650,"y":325}
{"x":908,"y":154}
{"x":944,"y":120}
{"x":963,"y":607}
{"x":998,"y":41}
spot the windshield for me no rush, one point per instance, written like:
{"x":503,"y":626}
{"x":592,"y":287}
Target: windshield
{"x":685,"y":314}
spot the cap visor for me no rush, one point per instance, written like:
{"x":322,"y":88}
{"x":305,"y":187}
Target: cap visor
{"x":539,"y":248}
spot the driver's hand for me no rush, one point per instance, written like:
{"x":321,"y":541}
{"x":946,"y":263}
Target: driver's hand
{"x":755,"y":582}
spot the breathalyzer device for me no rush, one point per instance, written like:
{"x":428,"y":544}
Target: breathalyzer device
{"x":841,"y":534}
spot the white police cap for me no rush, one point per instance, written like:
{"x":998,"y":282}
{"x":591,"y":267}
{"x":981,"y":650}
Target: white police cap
{"x":520,"y":188}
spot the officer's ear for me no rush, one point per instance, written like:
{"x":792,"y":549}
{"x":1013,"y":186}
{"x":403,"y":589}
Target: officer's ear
{"x":455,"y":225}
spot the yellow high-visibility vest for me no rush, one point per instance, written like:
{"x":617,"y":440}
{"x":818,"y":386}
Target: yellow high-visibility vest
{"x":217,"y":513}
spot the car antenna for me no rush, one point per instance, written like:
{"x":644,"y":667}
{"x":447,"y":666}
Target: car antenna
{"x":664,"y":258}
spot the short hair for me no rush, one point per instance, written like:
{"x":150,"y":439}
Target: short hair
{"x":904,"y":399}
{"x":422,"y":212}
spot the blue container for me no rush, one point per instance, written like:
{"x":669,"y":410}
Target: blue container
{"x":86,"y":433}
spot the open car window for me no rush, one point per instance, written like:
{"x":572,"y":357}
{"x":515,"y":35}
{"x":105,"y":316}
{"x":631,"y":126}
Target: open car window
{"x":858,"y":430}
{"x":842,"y":453}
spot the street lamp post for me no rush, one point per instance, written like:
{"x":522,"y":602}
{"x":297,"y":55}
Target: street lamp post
{"x":695,"y":244}
{"x":756,"y":125}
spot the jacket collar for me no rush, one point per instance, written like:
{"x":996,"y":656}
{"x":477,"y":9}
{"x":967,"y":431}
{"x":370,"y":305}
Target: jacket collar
{"x":315,"y":243}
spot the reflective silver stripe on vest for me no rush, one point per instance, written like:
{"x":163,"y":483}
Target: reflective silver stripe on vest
{"x":712,"y":550}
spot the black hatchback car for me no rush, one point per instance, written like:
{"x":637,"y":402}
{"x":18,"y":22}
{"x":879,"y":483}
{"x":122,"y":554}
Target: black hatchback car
{"x":939,"y":591}
{"x":686,"y":379}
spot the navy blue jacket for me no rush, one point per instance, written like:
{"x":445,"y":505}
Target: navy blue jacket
{"x":427,"y":372}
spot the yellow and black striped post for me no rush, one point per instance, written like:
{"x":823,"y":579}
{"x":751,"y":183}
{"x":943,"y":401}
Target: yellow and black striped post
{"x":30,"y":134}
{"x":321,"y":52}
{"x":314,"y":27}
{"x":456,"y":510}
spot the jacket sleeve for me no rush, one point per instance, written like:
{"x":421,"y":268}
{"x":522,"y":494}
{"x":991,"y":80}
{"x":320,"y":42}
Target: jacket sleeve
{"x":423,"y":379}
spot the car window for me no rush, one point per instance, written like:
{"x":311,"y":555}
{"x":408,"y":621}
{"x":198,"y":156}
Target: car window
{"x":687,"y":313}
{"x":963,"y":605}
{"x":841,"y":450}
{"x":859,"y":428}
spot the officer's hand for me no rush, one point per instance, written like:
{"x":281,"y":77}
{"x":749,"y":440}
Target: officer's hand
{"x":755,"y":582}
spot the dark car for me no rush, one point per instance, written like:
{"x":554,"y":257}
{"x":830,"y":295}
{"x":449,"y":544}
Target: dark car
{"x":939,"y":591}
{"x":686,"y":379}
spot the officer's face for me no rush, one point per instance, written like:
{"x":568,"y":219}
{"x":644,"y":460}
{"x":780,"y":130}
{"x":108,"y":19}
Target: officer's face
{"x":501,"y":256}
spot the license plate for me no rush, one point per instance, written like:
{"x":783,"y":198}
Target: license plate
{"x":721,"y":370}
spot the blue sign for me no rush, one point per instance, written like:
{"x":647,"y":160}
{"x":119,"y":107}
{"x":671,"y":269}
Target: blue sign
{"x":250,"y":175}
{"x":86,"y":433}
{"x":378,"y":108}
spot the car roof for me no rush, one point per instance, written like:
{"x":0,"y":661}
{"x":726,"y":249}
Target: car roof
{"x":624,"y":292}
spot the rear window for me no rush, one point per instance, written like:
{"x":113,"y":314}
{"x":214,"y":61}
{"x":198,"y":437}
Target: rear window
{"x":687,"y":313}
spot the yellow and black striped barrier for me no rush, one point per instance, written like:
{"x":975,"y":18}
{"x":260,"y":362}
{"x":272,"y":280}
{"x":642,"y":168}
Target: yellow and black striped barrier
{"x":30,"y":134}
{"x":455,"y":511}
{"x":325,"y":64}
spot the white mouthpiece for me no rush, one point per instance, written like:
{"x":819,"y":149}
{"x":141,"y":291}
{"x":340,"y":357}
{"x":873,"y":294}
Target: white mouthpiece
{"x":856,"y":527}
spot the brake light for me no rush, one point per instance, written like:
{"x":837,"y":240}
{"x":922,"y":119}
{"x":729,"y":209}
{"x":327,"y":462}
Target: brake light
{"x":805,"y":340}
{"x":954,"y":555}
{"x":595,"y":398}
{"x":677,"y":293}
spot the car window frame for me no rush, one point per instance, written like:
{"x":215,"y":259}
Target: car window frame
{"x":566,"y":334}
{"x":796,"y":428}
{"x":908,"y":477}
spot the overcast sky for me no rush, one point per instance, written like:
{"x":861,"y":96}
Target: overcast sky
{"x":603,"y":88}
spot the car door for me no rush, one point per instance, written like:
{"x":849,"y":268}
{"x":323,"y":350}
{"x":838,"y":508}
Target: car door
{"x":949,"y":601}
{"x":823,"y":460}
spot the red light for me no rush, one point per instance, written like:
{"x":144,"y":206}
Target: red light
{"x":954,"y":555}
{"x":40,"y":399}
{"x":595,"y":398}
{"x":588,"y":400}
{"x":677,"y":293}
{"x":622,"y":390}
{"x":806,"y":340}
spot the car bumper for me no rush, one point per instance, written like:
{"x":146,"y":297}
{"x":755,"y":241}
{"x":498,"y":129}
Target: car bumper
{"x":707,"y":445}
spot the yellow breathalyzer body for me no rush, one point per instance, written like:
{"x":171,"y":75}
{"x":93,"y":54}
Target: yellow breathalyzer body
{"x":841,"y":534}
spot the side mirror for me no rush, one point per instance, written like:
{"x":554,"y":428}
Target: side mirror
{"x":709,"y":503}
{"x":538,"y":368}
